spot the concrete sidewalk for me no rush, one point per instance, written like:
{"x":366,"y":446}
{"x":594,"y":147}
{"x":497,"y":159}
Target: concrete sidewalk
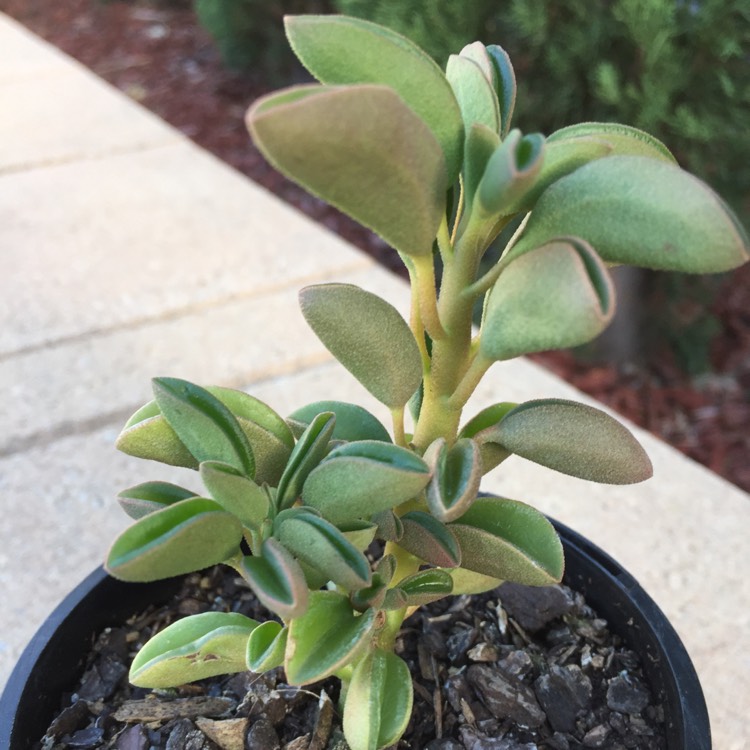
{"x":129,"y":252}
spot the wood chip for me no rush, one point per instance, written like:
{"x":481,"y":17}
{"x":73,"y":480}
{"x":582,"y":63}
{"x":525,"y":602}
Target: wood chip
{"x":150,"y":710}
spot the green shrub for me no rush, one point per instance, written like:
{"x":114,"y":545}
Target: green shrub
{"x":438,"y":26}
{"x":250,"y":33}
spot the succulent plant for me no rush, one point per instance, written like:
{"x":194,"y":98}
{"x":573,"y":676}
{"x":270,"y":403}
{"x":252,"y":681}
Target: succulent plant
{"x":340,"y":527}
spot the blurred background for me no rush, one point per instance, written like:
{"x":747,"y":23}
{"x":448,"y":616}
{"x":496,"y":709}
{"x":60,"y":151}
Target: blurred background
{"x":678,"y":358}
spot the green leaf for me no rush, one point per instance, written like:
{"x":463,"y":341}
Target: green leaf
{"x":319,"y":544}
{"x":181,"y":538}
{"x":236,"y":493}
{"x":206,"y":427}
{"x":389,"y":526}
{"x":361,"y":149}
{"x":474,"y":93}
{"x":325,"y":638}
{"x":371,"y":340}
{"x":553,"y":297}
{"x":481,"y":144}
{"x":479,"y":428}
{"x":145,"y":498}
{"x":574,"y":439}
{"x":307,"y":454}
{"x":277,"y":580}
{"x":359,"y":480}
{"x":426,"y":586}
{"x":359,"y":532}
{"x":344,"y":50}
{"x":378,"y":702}
{"x":352,"y":421}
{"x":470,"y":582}
{"x":194,"y":648}
{"x":624,"y":140}
{"x":372,"y":596}
{"x":505,"y":85}
{"x":643,"y":212}
{"x":560,"y":159}
{"x":430,"y":540}
{"x":509,"y":540}
{"x":266,"y":646}
{"x":510,"y":173}
{"x":270,"y":438}
{"x":456,"y":474}
{"x":148,"y":435}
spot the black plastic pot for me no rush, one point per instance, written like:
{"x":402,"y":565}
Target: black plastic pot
{"x":54,"y":658}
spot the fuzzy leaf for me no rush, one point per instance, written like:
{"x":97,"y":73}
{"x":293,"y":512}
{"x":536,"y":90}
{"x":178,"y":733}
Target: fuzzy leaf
{"x":371,"y":340}
{"x":389,"y":526}
{"x":505,"y":85}
{"x":378,"y":703}
{"x":145,"y":498}
{"x":319,"y":544}
{"x":643,"y":212}
{"x":194,"y":648}
{"x":624,"y":140}
{"x":266,"y":646}
{"x":352,"y":421}
{"x":426,"y":586}
{"x":270,"y":437}
{"x":456,"y":473}
{"x":277,"y":580}
{"x":491,"y":453}
{"x":325,"y":638}
{"x":372,"y":596}
{"x":344,"y":50}
{"x":511,"y":173}
{"x":358,"y":480}
{"x":307,"y":454}
{"x":204,"y":425}
{"x":470,"y":582}
{"x":574,"y":439}
{"x":481,"y":144}
{"x":359,"y":532}
{"x":560,"y":159}
{"x":361,"y":149}
{"x":148,"y":435}
{"x":556,"y":296}
{"x":509,"y":540}
{"x":181,"y":538}
{"x":236,"y":493}
{"x":474,"y":93}
{"x":429,"y":540}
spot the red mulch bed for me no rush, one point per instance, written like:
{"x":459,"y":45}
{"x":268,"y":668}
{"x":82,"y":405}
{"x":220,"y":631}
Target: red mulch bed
{"x":157,"y":54}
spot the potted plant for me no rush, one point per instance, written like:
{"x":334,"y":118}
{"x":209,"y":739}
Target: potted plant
{"x":340,"y":527}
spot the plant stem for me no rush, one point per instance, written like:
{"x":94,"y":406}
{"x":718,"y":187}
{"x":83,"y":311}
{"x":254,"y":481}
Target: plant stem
{"x":399,"y":436}
{"x":424,"y":284}
{"x":451,"y":355}
{"x":470,"y":381}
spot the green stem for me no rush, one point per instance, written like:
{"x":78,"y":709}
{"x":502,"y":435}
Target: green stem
{"x":424,"y":283}
{"x":451,"y":354}
{"x":399,"y":436}
{"x":470,"y":381}
{"x":445,"y":243}
{"x":488,"y":280}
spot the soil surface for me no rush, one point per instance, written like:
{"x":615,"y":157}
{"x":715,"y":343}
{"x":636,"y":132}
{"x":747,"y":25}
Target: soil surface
{"x":517,"y":668}
{"x":157,"y":54}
